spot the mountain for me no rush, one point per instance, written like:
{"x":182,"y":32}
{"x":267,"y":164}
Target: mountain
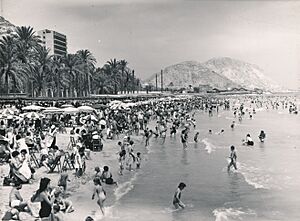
{"x":247,"y":75}
{"x":5,"y":27}
{"x":191,"y":73}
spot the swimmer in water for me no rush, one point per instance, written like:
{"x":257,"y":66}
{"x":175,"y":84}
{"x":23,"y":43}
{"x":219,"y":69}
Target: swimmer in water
{"x":210,"y":131}
{"x":232,"y":125}
{"x":176,"y":199}
{"x":196,"y":137}
{"x":222,"y":131}
{"x":262,"y":136}
{"x":248,"y":140}
{"x":232,"y":158}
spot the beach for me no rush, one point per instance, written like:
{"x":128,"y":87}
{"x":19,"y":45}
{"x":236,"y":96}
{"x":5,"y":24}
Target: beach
{"x":264,"y":187}
{"x":79,"y":189}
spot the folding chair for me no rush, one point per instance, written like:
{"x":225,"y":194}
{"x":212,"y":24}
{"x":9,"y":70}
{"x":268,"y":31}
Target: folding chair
{"x":72,"y":143}
{"x":34,"y":159}
{"x":68,"y":162}
{"x":55,"y":164}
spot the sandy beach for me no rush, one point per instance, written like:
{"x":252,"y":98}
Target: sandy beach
{"x":79,"y":189}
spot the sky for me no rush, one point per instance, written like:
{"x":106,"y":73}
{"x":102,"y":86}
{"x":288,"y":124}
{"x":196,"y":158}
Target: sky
{"x":153,"y":34}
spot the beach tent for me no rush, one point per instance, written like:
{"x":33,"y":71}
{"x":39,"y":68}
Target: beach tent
{"x":70,"y":110}
{"x":86,"y":109}
{"x":54,"y":110}
{"x":33,"y":108}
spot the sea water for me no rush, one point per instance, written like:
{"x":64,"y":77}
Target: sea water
{"x":265,"y":186}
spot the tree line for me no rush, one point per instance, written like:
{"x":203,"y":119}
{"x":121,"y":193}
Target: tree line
{"x":27,"y":67}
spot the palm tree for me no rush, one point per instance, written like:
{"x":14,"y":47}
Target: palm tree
{"x":102,"y":82}
{"x":123,"y":65}
{"x":27,"y":43}
{"x":39,"y":71}
{"x":56,"y":71}
{"x":8,"y":61}
{"x":71,"y":62}
{"x":112,"y":68}
{"x":88,"y":62}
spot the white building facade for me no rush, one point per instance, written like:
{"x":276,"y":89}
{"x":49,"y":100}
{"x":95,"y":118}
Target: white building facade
{"x":54,"y":41}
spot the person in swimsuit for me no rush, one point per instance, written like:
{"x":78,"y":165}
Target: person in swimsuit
{"x":176,"y":199}
{"x":99,"y":193}
{"x":196,"y":137}
{"x":232,"y":158}
{"x":184,"y":137}
{"x":262,"y":136}
{"x":42,"y":195}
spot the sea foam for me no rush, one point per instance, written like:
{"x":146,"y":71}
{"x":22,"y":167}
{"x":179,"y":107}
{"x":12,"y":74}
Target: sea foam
{"x":226,"y":214}
{"x":124,"y":188}
{"x":209,"y":147}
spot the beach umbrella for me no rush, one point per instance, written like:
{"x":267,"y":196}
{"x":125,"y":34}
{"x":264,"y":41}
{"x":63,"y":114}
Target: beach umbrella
{"x":49,"y":110}
{"x":115,"y":102}
{"x":86,"y":109}
{"x":90,"y":117}
{"x":7,"y":111}
{"x":66,"y":105}
{"x":70,"y":110}
{"x":32,"y":115}
{"x":33,"y":108}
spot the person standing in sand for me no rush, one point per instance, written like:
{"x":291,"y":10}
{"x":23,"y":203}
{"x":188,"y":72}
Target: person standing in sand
{"x":100,"y":194}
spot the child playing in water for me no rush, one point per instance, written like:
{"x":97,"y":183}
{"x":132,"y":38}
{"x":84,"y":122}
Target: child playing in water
{"x":232,"y":158}
{"x":138,"y":160}
{"x":262,"y":136}
{"x":176,"y":199}
{"x":121,"y":159}
{"x":248,"y":141}
{"x":100,"y":194}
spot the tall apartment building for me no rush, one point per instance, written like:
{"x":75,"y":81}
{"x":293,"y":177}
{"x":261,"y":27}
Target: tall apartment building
{"x":54,"y":41}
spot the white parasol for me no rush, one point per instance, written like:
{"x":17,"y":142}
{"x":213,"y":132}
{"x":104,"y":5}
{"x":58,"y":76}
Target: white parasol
{"x":86,"y":109}
{"x":70,"y":110}
{"x":33,"y":108}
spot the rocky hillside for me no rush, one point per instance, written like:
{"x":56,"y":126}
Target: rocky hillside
{"x":221,"y":73}
{"x":192,"y":73}
{"x":247,"y":75}
{"x":5,"y":27}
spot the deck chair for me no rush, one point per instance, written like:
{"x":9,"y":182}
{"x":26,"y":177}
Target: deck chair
{"x":68,"y":162}
{"x":56,"y":164}
{"x":34,"y":159}
{"x":72,"y":143}
{"x":97,"y":145}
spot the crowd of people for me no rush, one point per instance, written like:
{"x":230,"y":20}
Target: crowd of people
{"x":29,"y":144}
